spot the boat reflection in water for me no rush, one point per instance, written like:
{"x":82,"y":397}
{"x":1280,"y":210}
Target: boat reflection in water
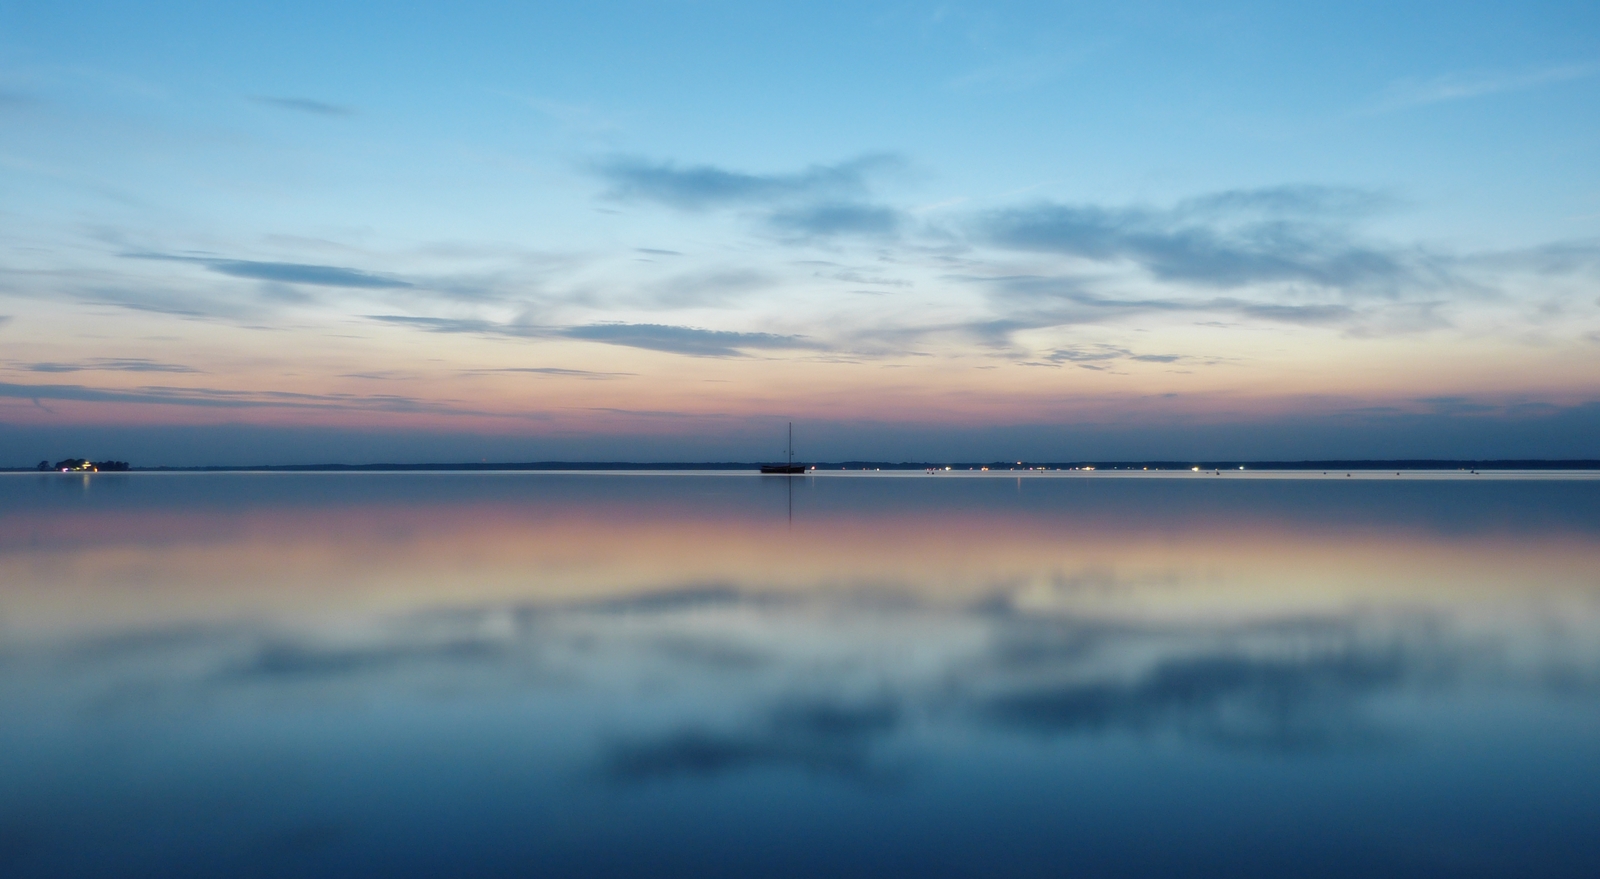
{"x":557,"y":674}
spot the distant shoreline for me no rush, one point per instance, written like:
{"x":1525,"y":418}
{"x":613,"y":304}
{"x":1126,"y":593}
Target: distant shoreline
{"x":1002,"y":466}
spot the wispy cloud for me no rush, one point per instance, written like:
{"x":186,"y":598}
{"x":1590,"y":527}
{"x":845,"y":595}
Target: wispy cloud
{"x":1038,"y":302}
{"x":299,"y":273}
{"x":853,"y":276}
{"x":1463,"y":86}
{"x":215,"y":398}
{"x":688,"y":340}
{"x":285,"y":272}
{"x":837,"y":218}
{"x":1090,"y":355}
{"x":111,"y":364}
{"x":700,"y":187}
{"x":303,"y":105}
{"x":1026,"y":303}
{"x":1228,"y":239}
{"x":1557,"y":258}
{"x":158,"y":300}
{"x":1288,"y":201}
{"x":462,"y":325}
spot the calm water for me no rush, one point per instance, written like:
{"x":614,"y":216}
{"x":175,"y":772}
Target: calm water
{"x":725,"y":675}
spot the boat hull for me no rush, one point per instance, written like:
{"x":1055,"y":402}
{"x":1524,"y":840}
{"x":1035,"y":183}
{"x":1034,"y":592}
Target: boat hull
{"x":783,"y":469}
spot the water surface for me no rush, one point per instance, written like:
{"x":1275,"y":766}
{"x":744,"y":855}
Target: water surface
{"x":726,"y":675}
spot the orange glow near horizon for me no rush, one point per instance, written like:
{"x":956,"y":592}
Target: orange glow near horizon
{"x":94,"y":569}
{"x":370,"y":377}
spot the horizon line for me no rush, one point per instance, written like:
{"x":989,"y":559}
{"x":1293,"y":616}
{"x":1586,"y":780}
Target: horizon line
{"x":1024,"y":465}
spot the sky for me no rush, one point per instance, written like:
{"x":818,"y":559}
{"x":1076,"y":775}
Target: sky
{"x":659,"y":231}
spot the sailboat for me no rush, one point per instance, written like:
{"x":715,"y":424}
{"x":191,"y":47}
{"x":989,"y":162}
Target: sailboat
{"x":789,"y":468}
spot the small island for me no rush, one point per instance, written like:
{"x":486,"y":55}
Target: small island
{"x":82,"y":465}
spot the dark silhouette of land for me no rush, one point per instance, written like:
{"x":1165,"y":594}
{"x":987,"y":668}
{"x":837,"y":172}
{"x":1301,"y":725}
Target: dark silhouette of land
{"x":992,"y":466}
{"x":78,"y":465}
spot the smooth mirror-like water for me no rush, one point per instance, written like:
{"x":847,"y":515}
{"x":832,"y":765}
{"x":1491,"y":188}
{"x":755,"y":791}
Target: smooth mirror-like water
{"x":725,"y":675}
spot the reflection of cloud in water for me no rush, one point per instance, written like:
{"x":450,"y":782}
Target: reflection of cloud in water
{"x":820,"y":738}
{"x":1238,"y":700}
{"x":707,"y":680}
{"x":1287,"y":684}
{"x":620,"y":676}
{"x":667,"y":600}
{"x":274,"y":660}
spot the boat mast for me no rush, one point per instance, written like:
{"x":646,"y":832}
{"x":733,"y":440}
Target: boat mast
{"x":791,"y":444}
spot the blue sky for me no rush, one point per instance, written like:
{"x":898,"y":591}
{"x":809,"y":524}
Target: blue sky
{"x":658,"y":230}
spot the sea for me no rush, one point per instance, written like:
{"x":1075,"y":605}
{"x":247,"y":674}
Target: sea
{"x":721,"y":674}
